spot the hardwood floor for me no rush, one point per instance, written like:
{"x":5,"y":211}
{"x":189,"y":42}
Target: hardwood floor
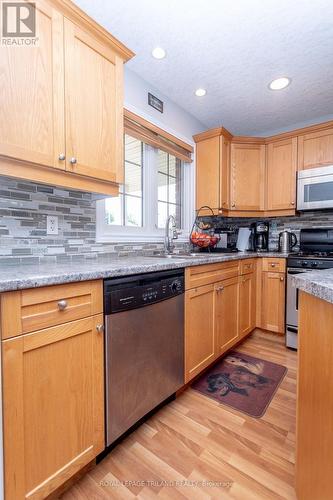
{"x":196,"y":448}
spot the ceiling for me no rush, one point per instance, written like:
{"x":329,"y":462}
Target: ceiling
{"x":232,"y":49}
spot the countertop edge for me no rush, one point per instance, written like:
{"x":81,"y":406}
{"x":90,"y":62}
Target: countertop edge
{"x":24,"y":277}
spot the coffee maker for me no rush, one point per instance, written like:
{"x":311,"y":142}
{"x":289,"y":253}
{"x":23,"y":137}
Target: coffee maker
{"x":259,"y":236}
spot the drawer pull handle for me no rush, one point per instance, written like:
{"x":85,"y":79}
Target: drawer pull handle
{"x":62,"y":304}
{"x":100,"y":328}
{"x":220,"y":289}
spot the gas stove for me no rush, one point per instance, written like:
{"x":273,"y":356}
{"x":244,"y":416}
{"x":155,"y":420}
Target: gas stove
{"x":316,"y":249}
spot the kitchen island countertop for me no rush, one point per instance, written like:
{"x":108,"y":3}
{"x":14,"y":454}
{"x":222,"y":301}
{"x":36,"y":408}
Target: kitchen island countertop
{"x":317,"y":283}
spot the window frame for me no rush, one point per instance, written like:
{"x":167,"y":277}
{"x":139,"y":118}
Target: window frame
{"x":149,"y":232}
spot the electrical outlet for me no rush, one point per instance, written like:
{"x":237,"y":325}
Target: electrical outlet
{"x":51,"y":224}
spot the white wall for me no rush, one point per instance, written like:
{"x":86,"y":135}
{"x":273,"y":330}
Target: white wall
{"x":174,"y":119}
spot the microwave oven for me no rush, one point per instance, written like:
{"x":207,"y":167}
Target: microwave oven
{"x":315,"y":188}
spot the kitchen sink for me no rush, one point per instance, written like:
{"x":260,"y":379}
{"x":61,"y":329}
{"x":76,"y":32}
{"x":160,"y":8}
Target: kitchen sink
{"x":180,"y":256}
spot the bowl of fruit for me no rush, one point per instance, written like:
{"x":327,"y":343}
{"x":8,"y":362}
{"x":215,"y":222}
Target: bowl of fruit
{"x":203,"y":240}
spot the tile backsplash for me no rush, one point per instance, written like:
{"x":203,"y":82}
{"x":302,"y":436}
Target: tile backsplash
{"x":25,"y":205}
{"x":23,"y":210}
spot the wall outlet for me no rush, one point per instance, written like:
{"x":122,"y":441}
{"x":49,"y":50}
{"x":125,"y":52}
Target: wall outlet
{"x":51,"y":224}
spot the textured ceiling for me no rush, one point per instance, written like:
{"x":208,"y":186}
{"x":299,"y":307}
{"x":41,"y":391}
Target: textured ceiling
{"x":233,"y":49}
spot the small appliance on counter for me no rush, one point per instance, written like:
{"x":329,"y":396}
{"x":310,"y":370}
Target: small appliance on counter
{"x":243,"y":239}
{"x":287,"y":241}
{"x":259,"y":236}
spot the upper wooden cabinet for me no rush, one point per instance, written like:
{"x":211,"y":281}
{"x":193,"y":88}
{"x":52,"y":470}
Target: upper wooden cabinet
{"x":62,"y":101}
{"x":281,"y":174}
{"x":94,"y":106}
{"x":212,"y":169}
{"x":32,"y":94}
{"x":247,"y":175}
{"x":315,"y":149}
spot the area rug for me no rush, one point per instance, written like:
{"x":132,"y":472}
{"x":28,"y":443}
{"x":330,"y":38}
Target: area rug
{"x":243,"y":382}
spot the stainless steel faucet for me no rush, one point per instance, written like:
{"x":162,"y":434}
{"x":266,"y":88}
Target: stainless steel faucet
{"x":168,"y":241}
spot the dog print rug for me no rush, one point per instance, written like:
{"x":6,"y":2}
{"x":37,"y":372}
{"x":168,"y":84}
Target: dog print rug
{"x":243,"y":382}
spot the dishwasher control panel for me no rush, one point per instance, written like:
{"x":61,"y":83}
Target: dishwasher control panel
{"x":128,"y":293}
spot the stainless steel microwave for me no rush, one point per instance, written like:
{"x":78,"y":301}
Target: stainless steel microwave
{"x":315,"y":188}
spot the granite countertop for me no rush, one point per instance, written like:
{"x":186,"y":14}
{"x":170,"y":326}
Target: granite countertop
{"x":32,"y":276}
{"x":317,"y":283}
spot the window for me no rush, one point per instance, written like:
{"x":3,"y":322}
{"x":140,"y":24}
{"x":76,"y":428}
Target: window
{"x":156,"y":185}
{"x":126,"y":209}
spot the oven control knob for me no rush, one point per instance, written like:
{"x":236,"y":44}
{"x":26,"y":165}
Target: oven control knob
{"x":304,"y":263}
{"x":314,"y":264}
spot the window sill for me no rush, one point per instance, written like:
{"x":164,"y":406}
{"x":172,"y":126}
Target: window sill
{"x":137,"y":238}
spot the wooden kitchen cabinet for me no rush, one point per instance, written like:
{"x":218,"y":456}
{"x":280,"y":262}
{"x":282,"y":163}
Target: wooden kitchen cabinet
{"x":281,"y":174}
{"x":226,"y":314}
{"x":199,"y":329}
{"x":315,"y":149}
{"x":212,"y":170}
{"x":273,"y":301}
{"x":247,"y":304}
{"x":94,"y":110}
{"x":32,"y":94}
{"x":247,"y":177}
{"x":53,"y":397}
{"x":62,"y":103}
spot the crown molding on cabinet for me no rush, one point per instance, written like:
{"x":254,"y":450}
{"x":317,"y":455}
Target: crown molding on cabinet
{"x":75,"y":14}
{"x":214,"y":132}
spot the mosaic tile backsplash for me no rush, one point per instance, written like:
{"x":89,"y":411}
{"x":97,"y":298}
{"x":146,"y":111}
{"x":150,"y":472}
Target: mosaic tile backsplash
{"x":23,"y":239}
{"x":24,"y":207}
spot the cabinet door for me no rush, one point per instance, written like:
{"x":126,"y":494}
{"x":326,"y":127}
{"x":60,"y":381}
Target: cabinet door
{"x":315,"y":150}
{"x":247,"y":176}
{"x":32,"y":90}
{"x":273,"y":301}
{"x":53,"y":393}
{"x":226,"y":310}
{"x":208,"y":173}
{"x":247,"y":304}
{"x":94,"y":106}
{"x":281,"y":174}
{"x":199,"y":329}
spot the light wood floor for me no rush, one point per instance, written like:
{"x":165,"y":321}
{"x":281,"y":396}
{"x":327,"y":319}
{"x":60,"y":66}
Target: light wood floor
{"x":196,"y":439}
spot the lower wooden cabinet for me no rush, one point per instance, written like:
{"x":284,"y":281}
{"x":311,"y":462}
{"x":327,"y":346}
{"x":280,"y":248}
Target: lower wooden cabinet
{"x":199,"y":329}
{"x":226,"y":314}
{"x":273,"y":287}
{"x":247,"y":304}
{"x":53,"y":397}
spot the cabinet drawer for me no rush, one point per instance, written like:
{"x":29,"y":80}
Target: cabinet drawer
{"x":25,"y":311}
{"x":247,"y":266}
{"x":272,"y":264}
{"x":210,"y":273}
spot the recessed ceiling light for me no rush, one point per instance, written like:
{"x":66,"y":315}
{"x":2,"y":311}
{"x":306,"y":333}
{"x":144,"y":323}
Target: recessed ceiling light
{"x":158,"y":53}
{"x":280,"y":83}
{"x":200,"y":92}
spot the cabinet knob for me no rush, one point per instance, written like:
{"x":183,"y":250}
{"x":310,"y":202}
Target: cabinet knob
{"x":282,"y":278}
{"x":233,"y":205}
{"x":273,"y":265}
{"x":100,"y":328}
{"x":73,"y":160}
{"x":62,"y":156}
{"x":220,"y":289}
{"x":293,"y":203}
{"x":62,"y":304}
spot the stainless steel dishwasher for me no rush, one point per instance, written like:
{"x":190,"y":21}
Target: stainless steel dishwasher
{"x":144,"y":321}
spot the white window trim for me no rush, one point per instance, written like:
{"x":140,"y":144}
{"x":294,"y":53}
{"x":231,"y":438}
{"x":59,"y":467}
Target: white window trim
{"x":149,"y":233}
